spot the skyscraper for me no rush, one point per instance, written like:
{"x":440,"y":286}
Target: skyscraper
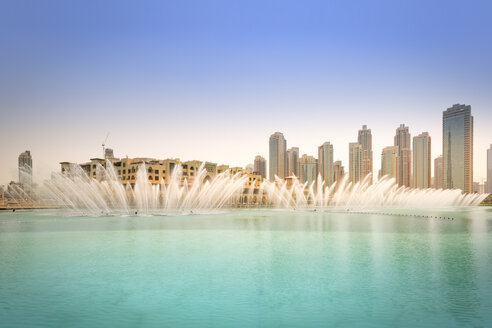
{"x":457,"y":148}
{"x":355,"y":165}
{"x":278,"y":160}
{"x":404,"y":158}
{"x":108,"y":153}
{"x":489,"y":170}
{"x":438,"y":170}
{"x":25,"y":168}
{"x":308,"y":169}
{"x":388,"y":161}
{"x":325,"y":162}
{"x":338,"y":171}
{"x":259,"y":166}
{"x":422,"y":161}
{"x":365,"y":140}
{"x":292,"y":161}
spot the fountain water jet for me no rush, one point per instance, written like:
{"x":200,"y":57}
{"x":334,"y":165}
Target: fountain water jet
{"x":107,"y":195}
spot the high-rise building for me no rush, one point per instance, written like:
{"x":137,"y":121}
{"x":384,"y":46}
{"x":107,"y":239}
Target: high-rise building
{"x":292,"y":161}
{"x":422,"y":161}
{"x":325,"y":162}
{"x":308,"y":169}
{"x":25,"y":168}
{"x":404,"y":158}
{"x":457,"y":148}
{"x":278,"y":160}
{"x":478,"y":188}
{"x":438,"y":170}
{"x":338,"y":171}
{"x":355,"y":165}
{"x":259,"y":166}
{"x":108,"y":153}
{"x":365,"y":140}
{"x":489,"y":170}
{"x":388,"y":162}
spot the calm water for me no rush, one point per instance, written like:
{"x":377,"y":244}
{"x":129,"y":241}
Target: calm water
{"x":247,"y":268}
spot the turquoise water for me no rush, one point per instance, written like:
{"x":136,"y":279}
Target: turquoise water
{"x":246,"y":268}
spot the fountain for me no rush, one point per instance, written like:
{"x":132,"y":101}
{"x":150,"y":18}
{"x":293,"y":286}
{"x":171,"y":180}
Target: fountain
{"x":108,"y":196}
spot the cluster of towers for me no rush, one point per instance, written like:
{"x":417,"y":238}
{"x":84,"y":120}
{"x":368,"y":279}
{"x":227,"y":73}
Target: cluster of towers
{"x":408,"y":160}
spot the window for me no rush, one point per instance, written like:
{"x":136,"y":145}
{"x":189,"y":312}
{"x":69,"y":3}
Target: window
{"x":191,"y":173}
{"x":124,"y":171}
{"x":150,"y":170}
{"x":156,"y":172}
{"x":94,"y":173}
{"x":133,"y":177}
{"x":150,"y":177}
{"x":192,"y":168}
{"x":119,"y":172}
{"x":156,"y":178}
{"x":124,"y":164}
{"x":93,"y":166}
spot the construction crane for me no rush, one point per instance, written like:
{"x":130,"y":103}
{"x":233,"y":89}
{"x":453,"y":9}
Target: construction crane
{"x":104,"y":144}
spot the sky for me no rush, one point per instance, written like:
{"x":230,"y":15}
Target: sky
{"x":212,"y":80}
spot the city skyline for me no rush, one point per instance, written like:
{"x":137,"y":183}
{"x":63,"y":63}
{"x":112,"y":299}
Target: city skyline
{"x":232,"y":163}
{"x":315,"y":71}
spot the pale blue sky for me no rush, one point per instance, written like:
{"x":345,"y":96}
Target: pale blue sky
{"x":211,"y":80}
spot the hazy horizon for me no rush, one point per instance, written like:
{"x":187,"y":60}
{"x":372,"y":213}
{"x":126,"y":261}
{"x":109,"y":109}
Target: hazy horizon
{"x":212,"y":81}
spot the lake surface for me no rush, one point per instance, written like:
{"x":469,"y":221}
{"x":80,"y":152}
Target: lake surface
{"x":243,"y":268}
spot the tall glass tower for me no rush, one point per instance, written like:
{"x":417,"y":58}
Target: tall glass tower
{"x":292,"y":162}
{"x":260,"y":166}
{"x":457,"y":136}
{"x":278,"y":160}
{"x":355,"y":165}
{"x":365,"y":140}
{"x":489,"y":170}
{"x":25,"y":168}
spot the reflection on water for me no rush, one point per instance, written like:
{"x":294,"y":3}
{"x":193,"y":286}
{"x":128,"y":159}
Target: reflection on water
{"x":248,"y":268}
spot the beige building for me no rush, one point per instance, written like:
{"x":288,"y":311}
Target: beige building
{"x":355,"y":164}
{"x":308,"y":169}
{"x":338,"y":171}
{"x":422,"y":161}
{"x":365,"y":140}
{"x":157,"y":171}
{"x":404,"y":158}
{"x":292,"y":161}
{"x":325,"y":162}
{"x":388,"y":162}
{"x":161,"y":172}
{"x":438,"y":171}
